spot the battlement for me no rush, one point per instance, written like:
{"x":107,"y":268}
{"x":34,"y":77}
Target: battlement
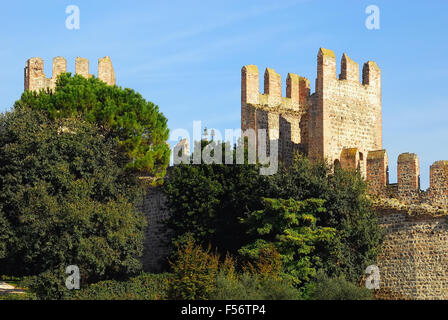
{"x":36,"y":80}
{"x":297,"y":89}
{"x":407,"y":189}
{"x":326,"y":71}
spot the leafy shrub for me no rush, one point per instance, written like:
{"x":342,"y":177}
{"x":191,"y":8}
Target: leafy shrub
{"x":338,"y":288}
{"x":49,"y":285}
{"x":143,"y":287}
{"x":209,"y":201}
{"x":249,"y":286}
{"x":194,"y":272}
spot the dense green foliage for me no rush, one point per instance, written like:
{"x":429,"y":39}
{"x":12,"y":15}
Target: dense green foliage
{"x":290,"y":226}
{"x":348,"y":210}
{"x":338,"y":288}
{"x":208,"y":200}
{"x":252,"y":287}
{"x":212,"y":201}
{"x":137,"y":125}
{"x":194,"y":271}
{"x":65,"y":199}
{"x":142,"y":287}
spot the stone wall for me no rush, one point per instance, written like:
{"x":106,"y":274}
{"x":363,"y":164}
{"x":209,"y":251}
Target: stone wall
{"x":35,"y":79}
{"x":413,"y":260}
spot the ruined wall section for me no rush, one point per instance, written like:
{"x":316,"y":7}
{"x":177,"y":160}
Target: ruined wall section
{"x":284,"y":118}
{"x":35,"y":79}
{"x":346,"y":113}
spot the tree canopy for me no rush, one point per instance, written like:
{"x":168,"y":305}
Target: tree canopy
{"x":138,"y":126}
{"x":65,"y":199}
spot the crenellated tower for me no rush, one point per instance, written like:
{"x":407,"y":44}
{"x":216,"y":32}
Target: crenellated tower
{"x":340,"y":122}
{"x":345,"y":113}
{"x":284,"y":118}
{"x":35,"y":79}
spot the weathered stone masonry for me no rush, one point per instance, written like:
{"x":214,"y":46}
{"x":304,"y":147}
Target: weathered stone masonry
{"x":340,"y":122}
{"x":35,"y":79}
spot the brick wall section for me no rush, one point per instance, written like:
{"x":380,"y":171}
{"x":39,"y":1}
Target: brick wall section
{"x":59,"y":66}
{"x":377,"y":175}
{"x":408,"y":173}
{"x":349,"y":158}
{"x":35,"y":79}
{"x":82,"y":67}
{"x":413,"y":260}
{"x":438,"y":190}
{"x":106,"y":71}
{"x":407,"y":190}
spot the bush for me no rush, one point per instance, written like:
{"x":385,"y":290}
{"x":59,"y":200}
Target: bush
{"x":210,"y":201}
{"x":252,"y":287}
{"x":143,"y":287}
{"x":194,"y":272}
{"x":49,"y":285}
{"x":338,"y":288}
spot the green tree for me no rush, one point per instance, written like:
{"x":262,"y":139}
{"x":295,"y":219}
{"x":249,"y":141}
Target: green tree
{"x":208,"y":201}
{"x":290,"y":226}
{"x":137,"y":125}
{"x":65,"y":199}
{"x":348,"y":208}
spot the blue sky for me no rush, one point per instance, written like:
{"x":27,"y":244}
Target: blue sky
{"x":186,"y":56}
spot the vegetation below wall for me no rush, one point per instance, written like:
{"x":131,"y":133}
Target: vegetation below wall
{"x":316,"y":218}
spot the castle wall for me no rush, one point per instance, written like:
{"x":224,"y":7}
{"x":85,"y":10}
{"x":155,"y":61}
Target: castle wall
{"x":36,"y":80}
{"x":413,"y":259}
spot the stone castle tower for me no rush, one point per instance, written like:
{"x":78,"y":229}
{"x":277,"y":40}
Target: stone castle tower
{"x":340,"y":122}
{"x":35,"y":79}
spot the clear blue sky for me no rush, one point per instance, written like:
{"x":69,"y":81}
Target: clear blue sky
{"x":186,"y":56}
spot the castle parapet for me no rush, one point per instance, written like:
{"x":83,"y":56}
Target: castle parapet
{"x":438,"y":190}
{"x":326,"y":70}
{"x":377,"y":175}
{"x":297,"y":90}
{"x":408,"y":175}
{"x":35,"y":79}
